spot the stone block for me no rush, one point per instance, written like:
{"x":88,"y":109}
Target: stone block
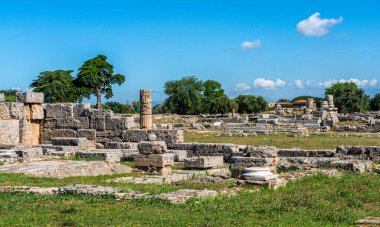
{"x":130,"y":155}
{"x":89,"y":134}
{"x":262,"y":151}
{"x":154,"y":160}
{"x":179,"y":155}
{"x":106,"y":155}
{"x":98,"y":123}
{"x":355,"y":166}
{"x":16,"y":110}
{"x":167,"y":135}
{"x":204,"y":162}
{"x":30,"y":97}
{"x":78,"y":142}
{"x":73,"y":123}
{"x":9,"y":133}
{"x":36,"y":112}
{"x":8,"y":154}
{"x":152,"y":147}
{"x":2,"y":97}
{"x":81,"y":110}
{"x":59,"y":110}
{"x":117,"y":123}
{"x":305,"y":153}
{"x":121,"y":145}
{"x":5,"y":113}
{"x":33,"y":152}
{"x":99,"y":113}
{"x":163,"y":171}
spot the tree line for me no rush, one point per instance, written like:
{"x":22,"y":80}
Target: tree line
{"x":188,"y":95}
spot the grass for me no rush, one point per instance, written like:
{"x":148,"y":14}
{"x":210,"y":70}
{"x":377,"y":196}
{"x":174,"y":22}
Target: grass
{"x":312,"y":201}
{"x":322,"y":141}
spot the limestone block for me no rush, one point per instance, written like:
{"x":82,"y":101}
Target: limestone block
{"x":30,"y":97}
{"x":8,"y":154}
{"x":62,"y":169}
{"x":9,"y":133}
{"x":48,"y":134}
{"x":81,"y":110}
{"x":98,"y":123}
{"x":152,"y":147}
{"x":73,"y":123}
{"x":59,"y":110}
{"x":155,"y":160}
{"x":179,"y":155}
{"x":16,"y":110}
{"x":79,"y":142}
{"x":110,"y":134}
{"x":32,"y":152}
{"x":353,"y":165}
{"x":258,"y":174}
{"x":36,"y":112}
{"x":121,"y":145}
{"x":305,"y":153}
{"x":204,"y":162}
{"x":116,"y":123}
{"x":167,"y":135}
{"x":106,"y":155}
{"x":262,"y":151}
{"x":96,"y":113}
{"x":89,"y":134}
{"x":163,"y":171}
{"x":2,"y":97}
{"x":5,"y":113}
{"x":130,"y":154}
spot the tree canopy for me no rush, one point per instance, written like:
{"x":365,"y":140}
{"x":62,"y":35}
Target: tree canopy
{"x":96,"y":77}
{"x":348,"y":97}
{"x":375,"y":102}
{"x":250,"y":104}
{"x":185,"y":96}
{"x":57,"y":86}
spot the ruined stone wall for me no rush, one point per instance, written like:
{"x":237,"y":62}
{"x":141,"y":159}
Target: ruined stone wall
{"x":20,"y":122}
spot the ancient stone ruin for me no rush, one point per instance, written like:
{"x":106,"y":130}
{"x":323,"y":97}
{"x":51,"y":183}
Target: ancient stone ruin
{"x":50,"y":140}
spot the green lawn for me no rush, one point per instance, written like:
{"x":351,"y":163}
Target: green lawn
{"x":324,"y":141}
{"x":313,"y":201}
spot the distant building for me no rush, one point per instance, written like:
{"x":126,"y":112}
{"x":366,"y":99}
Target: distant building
{"x":299,"y":104}
{"x":271,"y":104}
{"x":284,"y":104}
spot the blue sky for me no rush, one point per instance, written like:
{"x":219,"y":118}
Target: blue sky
{"x":271,"y":48}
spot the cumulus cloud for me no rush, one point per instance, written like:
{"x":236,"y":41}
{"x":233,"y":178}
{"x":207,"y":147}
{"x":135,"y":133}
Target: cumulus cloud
{"x":242,"y":87}
{"x":250,"y":44}
{"x":299,"y":84}
{"x":360,"y":83}
{"x":316,"y":26}
{"x":268,"y":84}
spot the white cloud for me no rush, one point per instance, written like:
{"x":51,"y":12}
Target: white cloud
{"x":250,"y":44}
{"x":268,"y":84}
{"x":242,"y":87}
{"x":360,"y":83}
{"x":299,"y":84}
{"x":316,"y":26}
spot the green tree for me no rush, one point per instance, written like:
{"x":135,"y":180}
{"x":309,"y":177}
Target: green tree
{"x":10,"y":94}
{"x":212,"y":90}
{"x":348,"y":97}
{"x":135,"y":106}
{"x":375,"y":102}
{"x":250,"y":104}
{"x":96,"y":77}
{"x":158,"y":108}
{"x":222,"y":105}
{"x":117,"y":107}
{"x":185,"y":96}
{"x":283,"y":100}
{"x":57,"y":86}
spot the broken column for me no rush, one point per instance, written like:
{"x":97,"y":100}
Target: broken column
{"x":154,"y":158}
{"x":330,"y":101}
{"x":146,"y":109}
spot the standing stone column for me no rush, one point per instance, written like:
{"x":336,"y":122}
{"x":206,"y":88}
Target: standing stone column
{"x":146,"y":109}
{"x":330,"y":101}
